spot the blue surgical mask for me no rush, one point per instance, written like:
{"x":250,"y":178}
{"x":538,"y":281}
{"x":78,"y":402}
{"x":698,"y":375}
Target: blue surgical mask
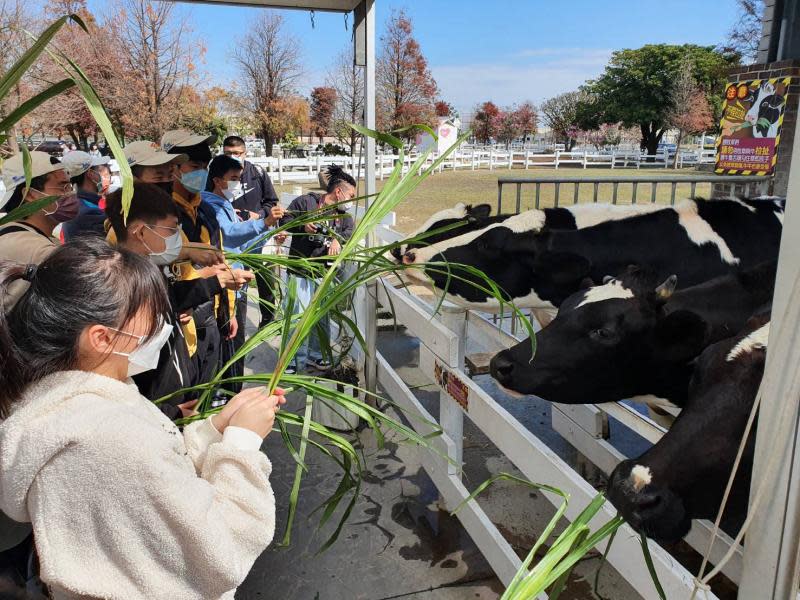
{"x":195,"y":181}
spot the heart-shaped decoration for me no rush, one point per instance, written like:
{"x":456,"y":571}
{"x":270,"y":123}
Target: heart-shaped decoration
{"x":444,"y":131}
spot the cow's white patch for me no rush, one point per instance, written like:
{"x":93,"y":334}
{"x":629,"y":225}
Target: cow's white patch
{"x":589,"y":215}
{"x":530,"y":220}
{"x":754,"y":341}
{"x":700,"y":232}
{"x":640,"y":477}
{"x":752,"y":209}
{"x":779,"y":215}
{"x":459,"y":211}
{"x":611,"y":290}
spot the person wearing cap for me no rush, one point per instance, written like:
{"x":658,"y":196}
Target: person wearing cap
{"x":198,"y":220}
{"x":150,"y":164}
{"x":30,"y":240}
{"x":238,"y":236}
{"x":91,"y":177}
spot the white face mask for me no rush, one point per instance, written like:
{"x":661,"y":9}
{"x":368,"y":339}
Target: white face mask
{"x":233,"y":190}
{"x":172,"y":248}
{"x":145,"y":356}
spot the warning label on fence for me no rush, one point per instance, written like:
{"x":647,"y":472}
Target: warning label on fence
{"x":750,"y":129}
{"x":451,"y":384}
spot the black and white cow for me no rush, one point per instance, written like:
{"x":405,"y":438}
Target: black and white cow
{"x":684,"y":475}
{"x":447,"y":224}
{"x":464,"y":219}
{"x":633,"y":337}
{"x":696,"y":240}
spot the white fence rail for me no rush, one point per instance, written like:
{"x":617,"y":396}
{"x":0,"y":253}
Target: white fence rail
{"x":442,"y":341}
{"x":284,"y":170}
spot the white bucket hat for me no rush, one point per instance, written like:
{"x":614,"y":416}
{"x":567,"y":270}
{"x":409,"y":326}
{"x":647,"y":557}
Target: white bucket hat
{"x":183,"y":137}
{"x":14,"y":171}
{"x":149,"y":154}
{"x":76,"y":162}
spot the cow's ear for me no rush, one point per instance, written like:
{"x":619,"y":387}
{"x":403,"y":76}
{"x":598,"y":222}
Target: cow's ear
{"x":681,"y":335}
{"x":564,"y":268}
{"x":481,"y":211}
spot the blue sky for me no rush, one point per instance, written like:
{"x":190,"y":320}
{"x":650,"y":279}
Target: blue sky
{"x":506,"y":51}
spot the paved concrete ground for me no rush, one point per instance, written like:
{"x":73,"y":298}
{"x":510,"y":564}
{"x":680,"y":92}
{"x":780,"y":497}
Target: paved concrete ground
{"x":397,"y":543}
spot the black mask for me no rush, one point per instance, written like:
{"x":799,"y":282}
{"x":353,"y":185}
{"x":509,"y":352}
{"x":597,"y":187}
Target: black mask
{"x":166,"y":186}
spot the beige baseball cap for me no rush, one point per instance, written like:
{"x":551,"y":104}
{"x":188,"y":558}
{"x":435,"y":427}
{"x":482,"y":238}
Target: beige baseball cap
{"x":76,"y":162}
{"x":14,"y":171}
{"x":149,"y":154}
{"x":182,"y":138}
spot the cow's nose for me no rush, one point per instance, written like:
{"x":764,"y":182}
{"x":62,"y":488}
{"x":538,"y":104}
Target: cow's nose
{"x":409,"y":258}
{"x":501,"y":367}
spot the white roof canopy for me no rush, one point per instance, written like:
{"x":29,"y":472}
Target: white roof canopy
{"x":322,"y":5}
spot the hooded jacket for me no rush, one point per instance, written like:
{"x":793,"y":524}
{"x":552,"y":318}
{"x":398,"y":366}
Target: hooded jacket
{"x":259,"y":193}
{"x":125,"y":506}
{"x":237,"y":236}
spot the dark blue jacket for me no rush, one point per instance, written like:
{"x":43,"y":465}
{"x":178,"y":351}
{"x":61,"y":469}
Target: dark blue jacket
{"x":90,"y":220}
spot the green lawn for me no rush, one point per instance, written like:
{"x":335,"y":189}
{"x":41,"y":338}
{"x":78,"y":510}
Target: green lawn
{"x":443,"y":190}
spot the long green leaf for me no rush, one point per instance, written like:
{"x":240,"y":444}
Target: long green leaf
{"x":33,"y":103}
{"x":386,"y":138}
{"x":95,"y":106}
{"x":648,"y":560}
{"x":298,"y":473}
{"x":26,"y":209}
{"x":11,"y":77}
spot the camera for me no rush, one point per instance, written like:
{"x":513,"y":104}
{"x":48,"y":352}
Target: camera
{"x":323,"y":236}
{"x":322,"y":239}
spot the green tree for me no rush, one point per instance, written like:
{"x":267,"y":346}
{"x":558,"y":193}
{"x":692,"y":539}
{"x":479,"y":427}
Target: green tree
{"x":635,"y":88}
{"x":561,"y":114}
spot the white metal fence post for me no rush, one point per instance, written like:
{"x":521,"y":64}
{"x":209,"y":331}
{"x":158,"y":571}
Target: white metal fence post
{"x":451,"y":417}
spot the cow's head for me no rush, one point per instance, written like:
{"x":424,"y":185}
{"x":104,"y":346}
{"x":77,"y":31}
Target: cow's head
{"x":514,"y":254}
{"x":458,"y":220}
{"x":606,"y":343}
{"x":684,"y":475}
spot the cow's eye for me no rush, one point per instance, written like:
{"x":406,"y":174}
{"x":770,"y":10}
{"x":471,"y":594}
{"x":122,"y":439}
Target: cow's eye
{"x":601,"y":334}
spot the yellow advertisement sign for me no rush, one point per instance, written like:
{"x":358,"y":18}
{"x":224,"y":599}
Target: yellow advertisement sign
{"x":750,"y":128}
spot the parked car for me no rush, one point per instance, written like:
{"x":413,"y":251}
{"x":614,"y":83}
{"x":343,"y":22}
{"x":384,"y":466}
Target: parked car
{"x":52,"y":147}
{"x":668,"y":148}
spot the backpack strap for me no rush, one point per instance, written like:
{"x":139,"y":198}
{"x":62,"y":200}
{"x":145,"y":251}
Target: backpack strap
{"x":12,"y":229}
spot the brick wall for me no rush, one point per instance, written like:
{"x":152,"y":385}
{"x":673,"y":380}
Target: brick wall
{"x":784,"y":68}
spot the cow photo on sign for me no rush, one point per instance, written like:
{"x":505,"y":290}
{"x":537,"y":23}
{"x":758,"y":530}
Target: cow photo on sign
{"x":750,"y":128}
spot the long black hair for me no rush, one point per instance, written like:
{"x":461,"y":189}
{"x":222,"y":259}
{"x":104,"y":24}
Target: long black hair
{"x":82,"y":283}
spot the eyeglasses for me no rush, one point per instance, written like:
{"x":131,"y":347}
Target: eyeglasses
{"x":172,"y":230}
{"x":234,"y":153}
{"x":65,"y":188}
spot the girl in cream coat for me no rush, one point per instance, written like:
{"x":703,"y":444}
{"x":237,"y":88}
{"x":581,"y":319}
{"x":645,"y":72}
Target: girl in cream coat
{"x":123,"y":505}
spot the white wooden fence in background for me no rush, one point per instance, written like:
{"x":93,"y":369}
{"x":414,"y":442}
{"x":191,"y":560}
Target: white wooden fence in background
{"x":283,"y":170}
